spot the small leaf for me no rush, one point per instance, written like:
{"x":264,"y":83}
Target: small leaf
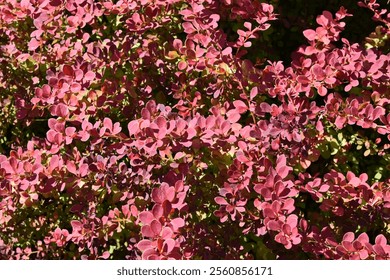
{"x":89,"y":76}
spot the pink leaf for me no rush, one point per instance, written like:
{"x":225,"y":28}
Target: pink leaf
{"x":71,"y":167}
{"x":116,"y":129}
{"x":253,"y":93}
{"x":248,"y":25}
{"x":157,"y":210}
{"x":303,"y":79}
{"x":145,"y":113}
{"x":161,"y":122}
{"x":156,"y":227}
{"x":220,"y":200}
{"x":61,"y":110}
{"x":188,"y":28}
{"x":144,"y":245}
{"x":76,"y":225}
{"x":78,"y":75}
{"x":240,"y":106}
{"x":349,"y":236}
{"x":89,"y":76}
{"x":33,"y":44}
{"x":381,"y":240}
{"x":168,"y":246}
{"x":378,"y":112}
{"x":146,"y":217}
{"x":169,"y":193}
{"x":147,"y":231}
{"x":84,"y":170}
{"x":158,"y":195}
{"x":281,"y":168}
{"x":133,"y":127}
{"x":233,"y":116}
{"x":340,"y":121}
{"x":310,"y":34}
{"x":318,"y":72}
{"x":324,"y":188}
{"x":363,"y":238}
{"x":227,"y":51}
{"x":105,"y":255}
{"x":107,"y":122}
{"x":182,"y":65}
{"x":273,"y":225}
{"x":166,"y":233}
{"x":150,"y":254}
{"x":325,"y":18}
{"x":319,"y":126}
{"x":177,"y":223}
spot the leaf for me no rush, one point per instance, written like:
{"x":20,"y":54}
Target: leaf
{"x":240,"y":106}
{"x":281,"y":168}
{"x":188,"y":27}
{"x":310,"y":34}
{"x":146,"y":217}
{"x":75,"y":87}
{"x":161,"y":122}
{"x":133,"y":127}
{"x":166,"y":233}
{"x":319,"y":127}
{"x":156,"y":227}
{"x":248,"y":25}
{"x":107,"y":122}
{"x":33,"y":44}
{"x":381,"y":240}
{"x":254,"y":92}
{"x":144,"y":245}
{"x":89,"y":76}
{"x":349,"y":236}
{"x":61,"y":110}
{"x":220,"y":200}
{"x":76,"y":225}
{"x":71,"y":167}
{"x":233,"y":116}
{"x":83,"y":170}
{"x":334,"y":147}
{"x":227,"y":51}
{"x":168,"y":246}
{"x":68,"y":70}
{"x":177,"y":223}
{"x":105,"y":255}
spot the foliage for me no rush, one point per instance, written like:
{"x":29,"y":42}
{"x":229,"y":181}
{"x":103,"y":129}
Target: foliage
{"x":148,"y":129}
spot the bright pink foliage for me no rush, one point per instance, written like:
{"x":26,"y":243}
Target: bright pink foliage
{"x":158,"y":143}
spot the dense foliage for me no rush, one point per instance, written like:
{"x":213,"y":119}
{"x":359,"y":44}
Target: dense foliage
{"x":201,"y":129}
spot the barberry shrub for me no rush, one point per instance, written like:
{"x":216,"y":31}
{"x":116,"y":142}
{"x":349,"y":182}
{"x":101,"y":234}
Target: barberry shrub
{"x":150,"y":129}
